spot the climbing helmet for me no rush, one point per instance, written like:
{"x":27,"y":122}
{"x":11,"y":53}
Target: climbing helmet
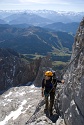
{"x":48,"y":73}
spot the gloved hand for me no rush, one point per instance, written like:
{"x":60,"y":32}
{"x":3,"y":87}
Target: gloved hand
{"x":62,"y":81}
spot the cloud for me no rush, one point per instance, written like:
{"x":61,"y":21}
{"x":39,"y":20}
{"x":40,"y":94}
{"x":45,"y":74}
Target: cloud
{"x":64,"y":5}
{"x":33,"y":1}
{"x":44,"y":1}
{"x":52,"y":1}
{"x":9,"y":1}
{"x":60,"y":2}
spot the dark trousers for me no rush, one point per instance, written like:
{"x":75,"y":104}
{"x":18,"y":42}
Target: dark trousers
{"x":52,"y":96}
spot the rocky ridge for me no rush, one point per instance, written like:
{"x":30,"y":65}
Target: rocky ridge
{"x":15,"y":70}
{"x":45,"y":64}
{"x":72,"y":97}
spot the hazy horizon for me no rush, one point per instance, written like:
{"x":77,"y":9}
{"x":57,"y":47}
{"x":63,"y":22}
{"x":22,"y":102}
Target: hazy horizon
{"x":56,"y":5}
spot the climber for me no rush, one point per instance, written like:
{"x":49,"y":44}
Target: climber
{"x":49,"y":84}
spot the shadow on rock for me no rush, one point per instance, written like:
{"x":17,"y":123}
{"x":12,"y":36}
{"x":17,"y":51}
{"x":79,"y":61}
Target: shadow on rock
{"x":53,"y":117}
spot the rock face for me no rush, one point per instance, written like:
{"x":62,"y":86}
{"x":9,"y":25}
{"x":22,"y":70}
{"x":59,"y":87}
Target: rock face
{"x":72,"y":97}
{"x":44,"y":65}
{"x":14,"y":70}
{"x":18,"y":104}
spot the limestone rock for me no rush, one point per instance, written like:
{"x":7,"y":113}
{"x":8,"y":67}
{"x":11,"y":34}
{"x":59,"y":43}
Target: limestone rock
{"x":44,"y":65}
{"x":14,"y":71}
{"x":72,"y":97}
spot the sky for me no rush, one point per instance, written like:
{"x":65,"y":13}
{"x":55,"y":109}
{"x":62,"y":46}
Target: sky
{"x":57,"y":5}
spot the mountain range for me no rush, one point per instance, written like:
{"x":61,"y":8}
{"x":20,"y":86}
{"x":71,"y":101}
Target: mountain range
{"x":39,"y":32}
{"x":2,"y":21}
{"x":66,"y":27}
{"x":27,"y":18}
{"x":40,"y":17}
{"x":60,"y":16}
{"x":33,"y":40}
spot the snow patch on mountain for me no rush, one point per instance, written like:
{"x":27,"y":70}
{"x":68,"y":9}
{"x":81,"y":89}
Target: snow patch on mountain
{"x":16,"y":102}
{"x":8,"y":94}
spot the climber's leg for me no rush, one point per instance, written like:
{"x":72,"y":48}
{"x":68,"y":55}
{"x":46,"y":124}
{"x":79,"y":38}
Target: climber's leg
{"x":46,"y":102}
{"x":52,"y":96}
